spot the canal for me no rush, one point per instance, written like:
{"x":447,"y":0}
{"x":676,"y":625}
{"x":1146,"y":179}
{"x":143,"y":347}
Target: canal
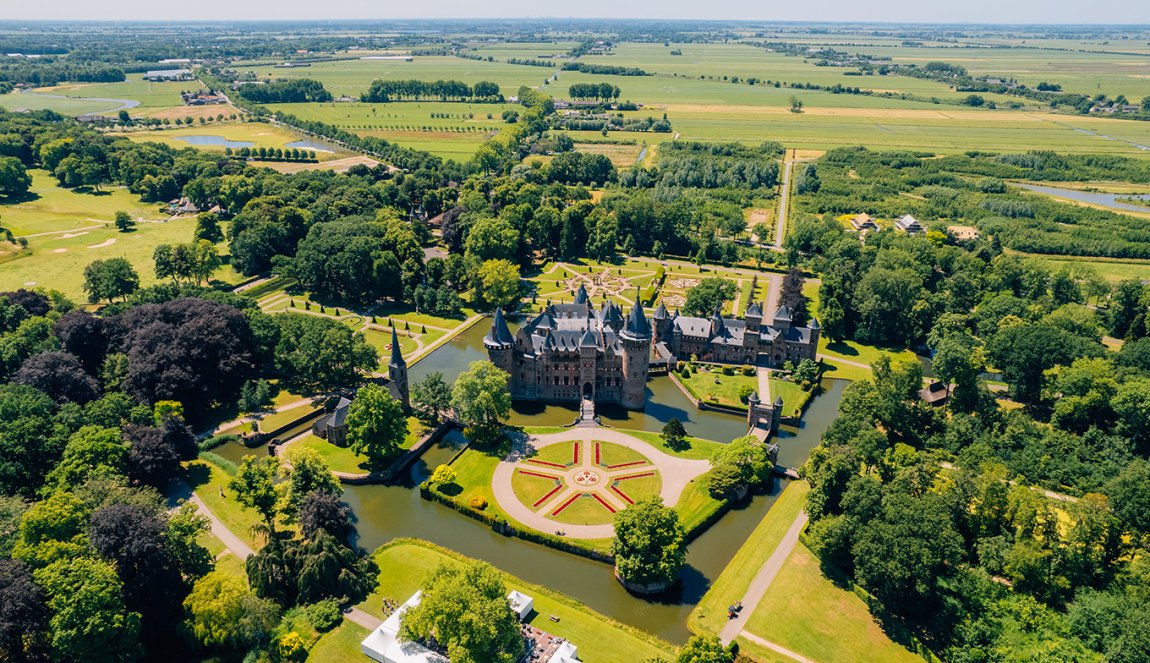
{"x":385,"y":512}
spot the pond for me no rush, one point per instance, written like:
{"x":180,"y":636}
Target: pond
{"x":386,"y":512}
{"x":1092,"y":197}
{"x":311,"y":144}
{"x":215,"y":141}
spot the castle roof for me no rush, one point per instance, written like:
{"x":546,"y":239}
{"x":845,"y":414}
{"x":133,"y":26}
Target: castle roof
{"x":717,"y":323}
{"x":588,"y":340}
{"x":783,"y":313}
{"x":661,"y":312}
{"x":814,"y":324}
{"x":753,"y":309}
{"x":637,"y":325}
{"x":499,"y":334}
{"x":396,"y":355}
{"x":581,"y":296}
{"x":611,"y":313}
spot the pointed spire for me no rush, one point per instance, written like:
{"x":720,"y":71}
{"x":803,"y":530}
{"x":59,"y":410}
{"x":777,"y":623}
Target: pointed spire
{"x":753,"y":309}
{"x":814,"y":324}
{"x":588,"y":340}
{"x":500,"y":334}
{"x":581,"y":296}
{"x":396,"y":354}
{"x":661,"y":312}
{"x":637,"y":325}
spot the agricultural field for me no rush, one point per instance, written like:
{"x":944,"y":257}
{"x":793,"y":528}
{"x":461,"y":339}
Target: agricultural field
{"x":27,"y":101}
{"x":149,"y":94}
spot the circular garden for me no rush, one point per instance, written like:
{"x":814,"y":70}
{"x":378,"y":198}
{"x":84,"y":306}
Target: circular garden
{"x":583,"y":482}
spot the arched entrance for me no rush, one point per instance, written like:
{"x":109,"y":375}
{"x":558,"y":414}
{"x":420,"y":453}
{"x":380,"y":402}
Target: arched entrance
{"x":587,"y":390}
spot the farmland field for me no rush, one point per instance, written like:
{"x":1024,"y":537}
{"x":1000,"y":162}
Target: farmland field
{"x":258,"y":133}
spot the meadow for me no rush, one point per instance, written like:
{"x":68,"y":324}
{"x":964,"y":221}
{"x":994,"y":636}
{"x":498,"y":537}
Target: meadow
{"x":150,"y":94}
{"x":260,"y":134}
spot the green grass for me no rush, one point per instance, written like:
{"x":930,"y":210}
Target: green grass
{"x":833,"y":369}
{"x":863,"y":354}
{"x":339,"y":644}
{"x":343,"y":459}
{"x":16,"y":101}
{"x":711,"y":386}
{"x":584,"y":511}
{"x":260,"y":134}
{"x":1109,"y":269}
{"x":794,"y":398}
{"x":149,"y":94}
{"x":530,"y":488}
{"x":711,"y":612}
{"x":208,"y":481}
{"x":825,"y":622}
{"x":404,"y":564}
{"x":67,"y":229}
{"x":699,"y":449}
{"x":616,"y":454}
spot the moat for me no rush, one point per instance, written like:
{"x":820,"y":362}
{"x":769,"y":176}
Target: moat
{"x":388,"y":512}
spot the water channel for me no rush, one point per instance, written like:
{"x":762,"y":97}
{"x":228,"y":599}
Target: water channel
{"x":218,"y":141}
{"x":1092,"y":197}
{"x":391,"y":511}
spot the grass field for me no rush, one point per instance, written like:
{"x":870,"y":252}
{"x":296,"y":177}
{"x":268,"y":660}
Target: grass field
{"x":711,"y":386}
{"x":711,"y":612}
{"x":404,"y":564}
{"x":150,"y":94}
{"x":67,"y":229}
{"x":339,"y":644}
{"x":343,"y":459}
{"x":825,"y":622}
{"x":17,"y":101}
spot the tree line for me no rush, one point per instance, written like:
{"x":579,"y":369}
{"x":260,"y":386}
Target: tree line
{"x":286,"y":91}
{"x":384,"y":91}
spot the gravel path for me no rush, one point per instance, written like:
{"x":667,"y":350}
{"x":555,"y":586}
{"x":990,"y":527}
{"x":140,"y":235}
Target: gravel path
{"x":762,"y":582}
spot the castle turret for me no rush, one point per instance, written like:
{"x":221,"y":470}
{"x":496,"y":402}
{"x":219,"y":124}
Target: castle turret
{"x":397,"y":373}
{"x":754,"y":317}
{"x":636,"y":338}
{"x":581,"y":295}
{"x":588,"y":349}
{"x":782,"y":318}
{"x":500,"y":345}
{"x":664,"y":324}
{"x":718,"y":327}
{"x":816,"y":331}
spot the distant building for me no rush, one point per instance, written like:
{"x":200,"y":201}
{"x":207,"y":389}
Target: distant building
{"x":168,"y":75}
{"x":909,"y":225}
{"x":863,"y":221}
{"x":397,"y":373}
{"x":935,"y":394}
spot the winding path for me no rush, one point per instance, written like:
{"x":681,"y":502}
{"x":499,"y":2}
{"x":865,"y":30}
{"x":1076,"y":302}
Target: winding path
{"x":761,"y":583}
{"x":675,"y":473}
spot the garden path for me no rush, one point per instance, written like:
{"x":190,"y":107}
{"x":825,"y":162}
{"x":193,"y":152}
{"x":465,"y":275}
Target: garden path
{"x":762,"y":581}
{"x":675,"y":474}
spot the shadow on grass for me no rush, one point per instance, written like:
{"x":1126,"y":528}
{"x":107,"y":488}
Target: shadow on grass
{"x":197,"y":474}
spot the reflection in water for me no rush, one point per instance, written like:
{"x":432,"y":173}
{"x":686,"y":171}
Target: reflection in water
{"x":388,"y":512}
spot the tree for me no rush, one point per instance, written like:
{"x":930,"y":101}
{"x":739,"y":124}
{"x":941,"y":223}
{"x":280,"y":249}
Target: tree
{"x":124,"y":221}
{"x":23,"y":614}
{"x":320,"y":353}
{"x":82,"y":335}
{"x":109,"y":279}
{"x":1130,"y":494}
{"x":154,"y":453}
{"x":492,"y":239}
{"x":307,"y":473}
{"x":208,"y":228}
{"x":431,"y":397}
{"x":89,"y":619}
{"x":254,"y":486}
{"x":329,"y":569}
{"x":481,"y":399}
{"x":708,"y":296}
{"x":675,"y":436}
{"x":497,"y":285}
{"x":792,"y":296}
{"x":223,"y":613}
{"x":323,"y":510}
{"x":1125,"y":305}
{"x":1025,"y":352}
{"x":745,"y":459}
{"x":376,"y":426}
{"x":14,"y":177}
{"x":649,"y":545}
{"x":91,"y":452}
{"x":705,"y":649}
{"x":465,"y":611}
{"x":60,"y":375}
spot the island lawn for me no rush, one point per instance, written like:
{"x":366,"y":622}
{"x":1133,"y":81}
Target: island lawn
{"x":343,"y":459}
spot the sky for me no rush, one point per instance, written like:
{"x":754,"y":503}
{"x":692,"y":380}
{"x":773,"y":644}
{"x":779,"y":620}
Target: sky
{"x":889,"y":11}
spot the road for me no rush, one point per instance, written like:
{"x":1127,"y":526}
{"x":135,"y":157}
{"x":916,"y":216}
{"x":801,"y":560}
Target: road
{"x":762,"y":582}
{"x":784,"y":203}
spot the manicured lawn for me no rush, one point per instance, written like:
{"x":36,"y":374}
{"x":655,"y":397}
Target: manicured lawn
{"x":699,"y":449}
{"x":259,"y":134}
{"x":529,"y":488}
{"x":339,"y":644}
{"x":794,"y":398}
{"x":863,"y":354}
{"x":585,"y":510}
{"x":343,"y":459}
{"x":711,"y":386}
{"x":825,"y":622}
{"x":711,"y":612}
{"x":405,"y":563}
{"x":834,"y":369}
{"x":232,"y":565}
{"x":211,"y":484}
{"x":615,"y":454}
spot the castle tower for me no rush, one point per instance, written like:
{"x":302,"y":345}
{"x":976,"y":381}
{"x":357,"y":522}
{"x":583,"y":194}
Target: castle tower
{"x":397,"y":373}
{"x":754,"y":317}
{"x":782,"y":318}
{"x":588,"y":351}
{"x":663,"y":324}
{"x":636,"y":337}
{"x":816,"y":331}
{"x":500,"y":345}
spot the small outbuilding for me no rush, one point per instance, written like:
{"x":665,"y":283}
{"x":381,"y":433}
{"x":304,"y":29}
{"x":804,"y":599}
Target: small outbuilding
{"x":861,"y":222}
{"x":521,"y":604}
{"x":909,"y":225}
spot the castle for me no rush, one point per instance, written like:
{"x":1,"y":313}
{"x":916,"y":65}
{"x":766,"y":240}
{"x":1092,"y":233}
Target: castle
{"x":574,"y":352}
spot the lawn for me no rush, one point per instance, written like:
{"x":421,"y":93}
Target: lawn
{"x":794,"y":398}
{"x":405,"y":563}
{"x":245,"y":134}
{"x":50,"y":208}
{"x":18,"y":101}
{"x":150,"y":94}
{"x":711,"y":386}
{"x":834,"y":369}
{"x":1108,"y":268}
{"x":860,"y":353}
{"x":827,"y":623}
{"x":211,"y":483}
{"x":711,"y":612}
{"x":343,"y":459}
{"x":339,"y":644}
{"x":698,"y":449}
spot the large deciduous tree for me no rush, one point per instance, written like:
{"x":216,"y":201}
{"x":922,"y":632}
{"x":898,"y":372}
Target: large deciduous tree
{"x":89,"y":619}
{"x":23,"y":614}
{"x":431,"y":397}
{"x":224,"y":614}
{"x":465,"y":611}
{"x":708,"y":296}
{"x":481,"y":399}
{"x":649,"y":544}
{"x":60,"y":375}
{"x":109,"y":279}
{"x":497,"y":285}
{"x":376,"y":426}
{"x":320,"y":354}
